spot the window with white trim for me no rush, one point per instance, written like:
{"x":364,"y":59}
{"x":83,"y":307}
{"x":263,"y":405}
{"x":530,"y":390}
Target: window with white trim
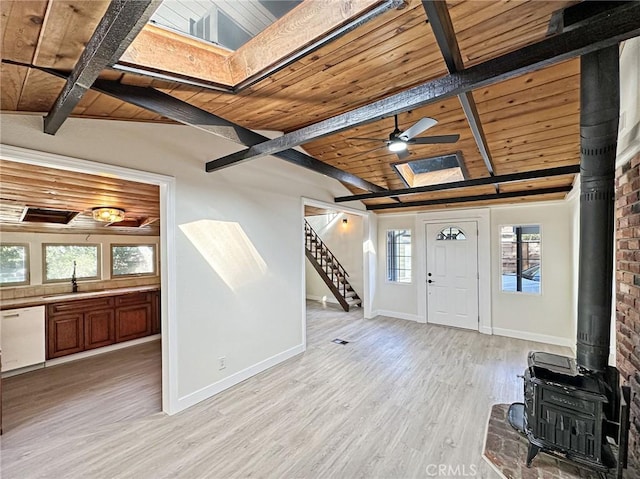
{"x":14,"y":264}
{"x":60,"y":261}
{"x":520,"y":258}
{"x":399,"y":256}
{"x":133,"y":260}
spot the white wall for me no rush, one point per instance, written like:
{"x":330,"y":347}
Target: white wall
{"x":399,"y":300}
{"x":549,"y":316}
{"x":251,"y":315}
{"x":345,"y":242}
{"x":629,"y":127}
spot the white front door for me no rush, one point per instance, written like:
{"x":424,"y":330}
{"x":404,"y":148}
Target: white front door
{"x":452,"y":274}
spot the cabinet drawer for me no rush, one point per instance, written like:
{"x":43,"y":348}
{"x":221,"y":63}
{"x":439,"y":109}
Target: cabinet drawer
{"x":133,"y":298}
{"x":80,"y":305}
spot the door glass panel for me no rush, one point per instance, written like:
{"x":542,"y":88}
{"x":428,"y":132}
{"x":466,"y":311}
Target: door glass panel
{"x":451,"y":233}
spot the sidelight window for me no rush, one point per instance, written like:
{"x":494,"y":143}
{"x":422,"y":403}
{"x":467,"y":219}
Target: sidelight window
{"x":399,"y":256}
{"x":14,"y":264}
{"x":521,"y":258}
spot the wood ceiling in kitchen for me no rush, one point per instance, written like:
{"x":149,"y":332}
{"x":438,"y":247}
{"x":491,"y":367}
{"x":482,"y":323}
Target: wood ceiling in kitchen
{"x":23,"y":185}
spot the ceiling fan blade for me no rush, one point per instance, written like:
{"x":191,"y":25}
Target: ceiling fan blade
{"x":417,"y":128}
{"x":368,"y":139}
{"x":403,"y":154}
{"x":431,"y":140}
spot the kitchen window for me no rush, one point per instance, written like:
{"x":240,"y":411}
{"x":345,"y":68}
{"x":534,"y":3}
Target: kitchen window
{"x":14,"y":264}
{"x":399,"y":256}
{"x":133,"y":260}
{"x":60,"y":261}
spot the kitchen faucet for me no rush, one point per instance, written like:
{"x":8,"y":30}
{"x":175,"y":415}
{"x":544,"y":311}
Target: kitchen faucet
{"x":74,"y":283}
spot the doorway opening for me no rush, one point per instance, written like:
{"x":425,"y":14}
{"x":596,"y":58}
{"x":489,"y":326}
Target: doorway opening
{"x":140,"y":346}
{"x":335,"y":263}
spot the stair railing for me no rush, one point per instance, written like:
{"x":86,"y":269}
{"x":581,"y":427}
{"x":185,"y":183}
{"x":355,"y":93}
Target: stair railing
{"x":321,"y":251}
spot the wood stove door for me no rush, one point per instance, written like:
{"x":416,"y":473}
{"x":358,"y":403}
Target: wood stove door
{"x":452,"y":274}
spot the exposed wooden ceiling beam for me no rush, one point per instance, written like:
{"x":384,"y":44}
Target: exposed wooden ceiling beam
{"x":442,"y":27}
{"x":472,"y":199}
{"x":599,"y":32}
{"x":119,"y":26}
{"x":185,"y":113}
{"x":180,"y":111}
{"x":521,"y":176}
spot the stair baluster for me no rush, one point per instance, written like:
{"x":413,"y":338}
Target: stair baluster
{"x":329,"y":269}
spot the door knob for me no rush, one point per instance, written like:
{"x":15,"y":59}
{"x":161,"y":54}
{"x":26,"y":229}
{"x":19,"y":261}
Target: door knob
{"x":430,"y":281}
{"x":428,"y":274}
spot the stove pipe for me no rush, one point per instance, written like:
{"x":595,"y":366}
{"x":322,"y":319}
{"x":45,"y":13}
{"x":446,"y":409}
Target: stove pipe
{"x":599,"y":111}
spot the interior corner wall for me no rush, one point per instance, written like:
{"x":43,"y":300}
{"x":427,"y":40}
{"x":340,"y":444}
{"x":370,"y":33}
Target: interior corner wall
{"x":546,"y":317}
{"x":573,"y":201}
{"x":398,"y":300}
{"x":250,"y":316}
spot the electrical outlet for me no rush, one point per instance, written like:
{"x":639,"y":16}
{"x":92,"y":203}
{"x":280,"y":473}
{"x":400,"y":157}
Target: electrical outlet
{"x":222,"y":362}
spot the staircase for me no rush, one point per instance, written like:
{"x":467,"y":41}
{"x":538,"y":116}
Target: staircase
{"x":329,"y":269}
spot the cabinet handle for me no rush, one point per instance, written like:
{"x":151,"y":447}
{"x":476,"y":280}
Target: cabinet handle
{"x":14,"y":315}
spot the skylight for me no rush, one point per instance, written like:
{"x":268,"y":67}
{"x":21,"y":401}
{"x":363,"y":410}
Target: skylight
{"x":432,"y":171}
{"x":229,"y":23}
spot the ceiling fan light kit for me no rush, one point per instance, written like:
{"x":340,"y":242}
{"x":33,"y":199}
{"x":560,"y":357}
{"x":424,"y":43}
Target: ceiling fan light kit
{"x":399,"y":141}
{"x":397,"y":145}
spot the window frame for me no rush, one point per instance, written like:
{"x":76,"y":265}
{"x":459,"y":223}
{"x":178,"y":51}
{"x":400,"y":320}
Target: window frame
{"x":27,"y":265}
{"x":134,"y":275}
{"x":388,"y":258}
{"x":79,"y":279}
{"x":500,"y":267}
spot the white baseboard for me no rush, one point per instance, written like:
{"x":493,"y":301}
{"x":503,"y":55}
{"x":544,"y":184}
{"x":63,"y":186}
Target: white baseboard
{"x":539,"y":338}
{"x":208,"y":391}
{"x":397,"y":315}
{"x":486,"y":330}
{"x":104,"y":349}
{"x":322,"y":299}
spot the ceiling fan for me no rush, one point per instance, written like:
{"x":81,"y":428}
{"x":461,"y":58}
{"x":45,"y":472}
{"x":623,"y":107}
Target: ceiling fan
{"x":399,"y":140}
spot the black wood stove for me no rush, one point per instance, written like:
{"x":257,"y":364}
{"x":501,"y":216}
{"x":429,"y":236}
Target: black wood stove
{"x":567,"y":411}
{"x":575,"y":408}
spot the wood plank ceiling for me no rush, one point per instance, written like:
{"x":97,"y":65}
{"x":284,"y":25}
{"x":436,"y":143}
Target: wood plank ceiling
{"x":531,"y":121}
{"x":23,"y":185}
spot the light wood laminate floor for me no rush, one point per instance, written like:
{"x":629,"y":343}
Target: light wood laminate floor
{"x":399,"y":397}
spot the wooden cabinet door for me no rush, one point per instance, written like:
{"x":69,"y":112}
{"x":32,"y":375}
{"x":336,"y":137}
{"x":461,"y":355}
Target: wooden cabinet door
{"x":99,"y":328}
{"x":155,"y":313}
{"x":133,"y":322}
{"x":65,"y":334}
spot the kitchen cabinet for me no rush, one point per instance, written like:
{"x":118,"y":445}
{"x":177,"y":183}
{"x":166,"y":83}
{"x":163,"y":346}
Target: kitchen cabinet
{"x":155,"y":314}
{"x":65,"y":334}
{"x":133,"y":316}
{"x":79,"y":325}
{"x":99,"y":329}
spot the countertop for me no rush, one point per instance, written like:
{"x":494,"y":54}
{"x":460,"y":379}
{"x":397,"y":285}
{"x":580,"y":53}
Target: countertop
{"x":54,"y":298}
